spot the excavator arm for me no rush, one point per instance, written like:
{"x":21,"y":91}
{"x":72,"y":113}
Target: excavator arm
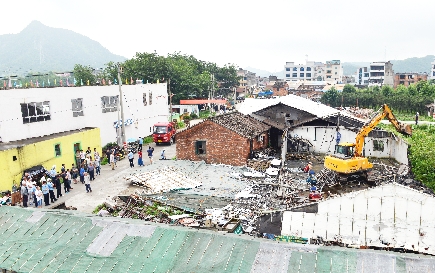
{"x":385,"y":111}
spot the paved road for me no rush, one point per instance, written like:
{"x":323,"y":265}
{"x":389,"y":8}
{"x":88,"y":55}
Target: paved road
{"x":111,"y":183}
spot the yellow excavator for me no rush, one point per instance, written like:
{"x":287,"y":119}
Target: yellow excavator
{"x":348,"y":158}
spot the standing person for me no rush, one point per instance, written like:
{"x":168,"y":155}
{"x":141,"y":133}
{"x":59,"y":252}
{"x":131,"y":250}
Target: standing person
{"x":88,"y":183}
{"x":140,"y":143}
{"x":88,"y":151}
{"x":82,"y":174}
{"x":131,"y":158}
{"x":112,"y":160}
{"x":82,"y":157}
{"x":150,"y":154}
{"x":38,"y":197}
{"x":52,"y":172}
{"x":77,"y":158}
{"x":74,"y":173}
{"x":108,"y":153}
{"x":67,"y":182}
{"x":62,"y":169}
{"x":51,"y":191}
{"x":45,"y":192}
{"x":96,"y":153}
{"x":30,"y":191}
{"x":97,"y":165}
{"x":162,"y":155}
{"x":91,"y":171}
{"x":140,"y":160}
{"x":24,"y":193}
{"x":416,"y":118}
{"x":58,"y":186}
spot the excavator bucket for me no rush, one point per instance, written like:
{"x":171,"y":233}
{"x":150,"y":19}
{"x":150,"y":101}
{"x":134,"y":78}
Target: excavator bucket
{"x":406,"y":129}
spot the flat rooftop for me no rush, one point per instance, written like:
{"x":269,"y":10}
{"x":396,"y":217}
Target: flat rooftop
{"x":23,"y":142}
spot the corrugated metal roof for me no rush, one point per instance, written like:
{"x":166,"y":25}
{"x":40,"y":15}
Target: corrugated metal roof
{"x":35,"y":240}
{"x":391,"y":215}
{"x":318,"y":109}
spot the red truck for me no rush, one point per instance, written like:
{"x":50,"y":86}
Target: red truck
{"x":164,"y":132}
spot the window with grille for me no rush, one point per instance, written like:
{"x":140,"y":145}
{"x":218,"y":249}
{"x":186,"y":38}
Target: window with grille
{"x":57,"y":150}
{"x":35,"y":111}
{"x":109,"y":104}
{"x":378,"y":145}
{"x":200,"y":147}
{"x":145,"y":103}
{"x":77,"y":107}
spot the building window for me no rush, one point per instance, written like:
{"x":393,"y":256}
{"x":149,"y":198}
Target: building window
{"x":308,"y":68}
{"x":328,"y":71}
{"x":301,"y":75}
{"x":144,"y":98}
{"x":335,"y":73}
{"x":308,"y":75}
{"x":287,"y":75}
{"x":151,"y":97}
{"x":57,"y":151}
{"x":402,"y":82}
{"x":295,"y":69}
{"x":35,"y":111}
{"x":200,"y":147}
{"x":328,"y":77}
{"x":294,"y":75}
{"x":287,"y":69}
{"x":77,"y":107}
{"x":302,"y":69}
{"x":109,"y":104}
{"x":378,"y":145}
{"x":366,"y":75}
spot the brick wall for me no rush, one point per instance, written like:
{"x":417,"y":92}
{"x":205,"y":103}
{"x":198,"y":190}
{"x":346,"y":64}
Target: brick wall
{"x":223,"y":146}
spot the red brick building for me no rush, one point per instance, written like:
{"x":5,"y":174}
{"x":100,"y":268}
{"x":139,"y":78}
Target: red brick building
{"x":407,"y":79}
{"x":224,"y":139}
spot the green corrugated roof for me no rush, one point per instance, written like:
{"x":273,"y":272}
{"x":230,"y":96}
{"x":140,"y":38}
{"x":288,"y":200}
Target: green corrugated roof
{"x":66,"y":241}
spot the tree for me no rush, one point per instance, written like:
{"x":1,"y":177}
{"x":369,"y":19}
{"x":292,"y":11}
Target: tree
{"x":83,"y":74}
{"x":348,"y":89}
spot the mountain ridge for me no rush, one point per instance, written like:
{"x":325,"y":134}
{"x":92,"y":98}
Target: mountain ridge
{"x":39,"y":48}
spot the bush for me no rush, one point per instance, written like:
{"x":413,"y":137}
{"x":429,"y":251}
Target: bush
{"x":204,"y":113}
{"x":104,"y":161}
{"x":148,"y":139}
{"x":181,"y":124}
{"x":187,"y":118}
{"x":109,"y":146}
{"x":193,"y":116}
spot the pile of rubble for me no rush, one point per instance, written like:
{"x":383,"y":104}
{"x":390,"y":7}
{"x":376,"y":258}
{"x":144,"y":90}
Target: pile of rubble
{"x":163,"y":180}
{"x":361,"y":113}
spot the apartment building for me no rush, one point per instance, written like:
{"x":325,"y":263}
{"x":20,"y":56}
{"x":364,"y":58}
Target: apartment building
{"x":362,"y":76}
{"x":407,"y":79}
{"x":248,"y":81}
{"x":333,"y":71}
{"x":381,"y":73}
{"x":310,"y":71}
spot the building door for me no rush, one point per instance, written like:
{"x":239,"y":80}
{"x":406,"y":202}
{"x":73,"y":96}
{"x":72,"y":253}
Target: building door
{"x":76,"y":148}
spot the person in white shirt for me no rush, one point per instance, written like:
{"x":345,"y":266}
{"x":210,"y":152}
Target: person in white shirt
{"x":88,"y":183}
{"x":39,"y":196}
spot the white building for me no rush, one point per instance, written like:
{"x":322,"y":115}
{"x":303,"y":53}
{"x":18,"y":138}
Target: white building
{"x":381,"y":73}
{"x":333,"y":71}
{"x":362,"y":76}
{"x":310,"y":71}
{"x":35,"y":112}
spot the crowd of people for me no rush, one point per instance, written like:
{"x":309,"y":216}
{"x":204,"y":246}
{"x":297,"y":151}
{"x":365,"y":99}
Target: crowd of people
{"x":48,"y":188}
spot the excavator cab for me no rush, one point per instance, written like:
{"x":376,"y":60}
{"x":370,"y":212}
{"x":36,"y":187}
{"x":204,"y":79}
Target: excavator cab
{"x":344,"y":150}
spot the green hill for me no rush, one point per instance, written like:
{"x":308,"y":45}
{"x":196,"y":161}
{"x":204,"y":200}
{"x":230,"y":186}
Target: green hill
{"x":413,"y":64}
{"x":39,"y":48}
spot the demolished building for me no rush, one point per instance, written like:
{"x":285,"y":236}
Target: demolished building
{"x":225,"y":139}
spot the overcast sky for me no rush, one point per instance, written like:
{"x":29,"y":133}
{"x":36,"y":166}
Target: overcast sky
{"x":259,"y":34}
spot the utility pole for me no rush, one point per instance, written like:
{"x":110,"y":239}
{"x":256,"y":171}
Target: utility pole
{"x":122,"y":105}
{"x":170,"y":100}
